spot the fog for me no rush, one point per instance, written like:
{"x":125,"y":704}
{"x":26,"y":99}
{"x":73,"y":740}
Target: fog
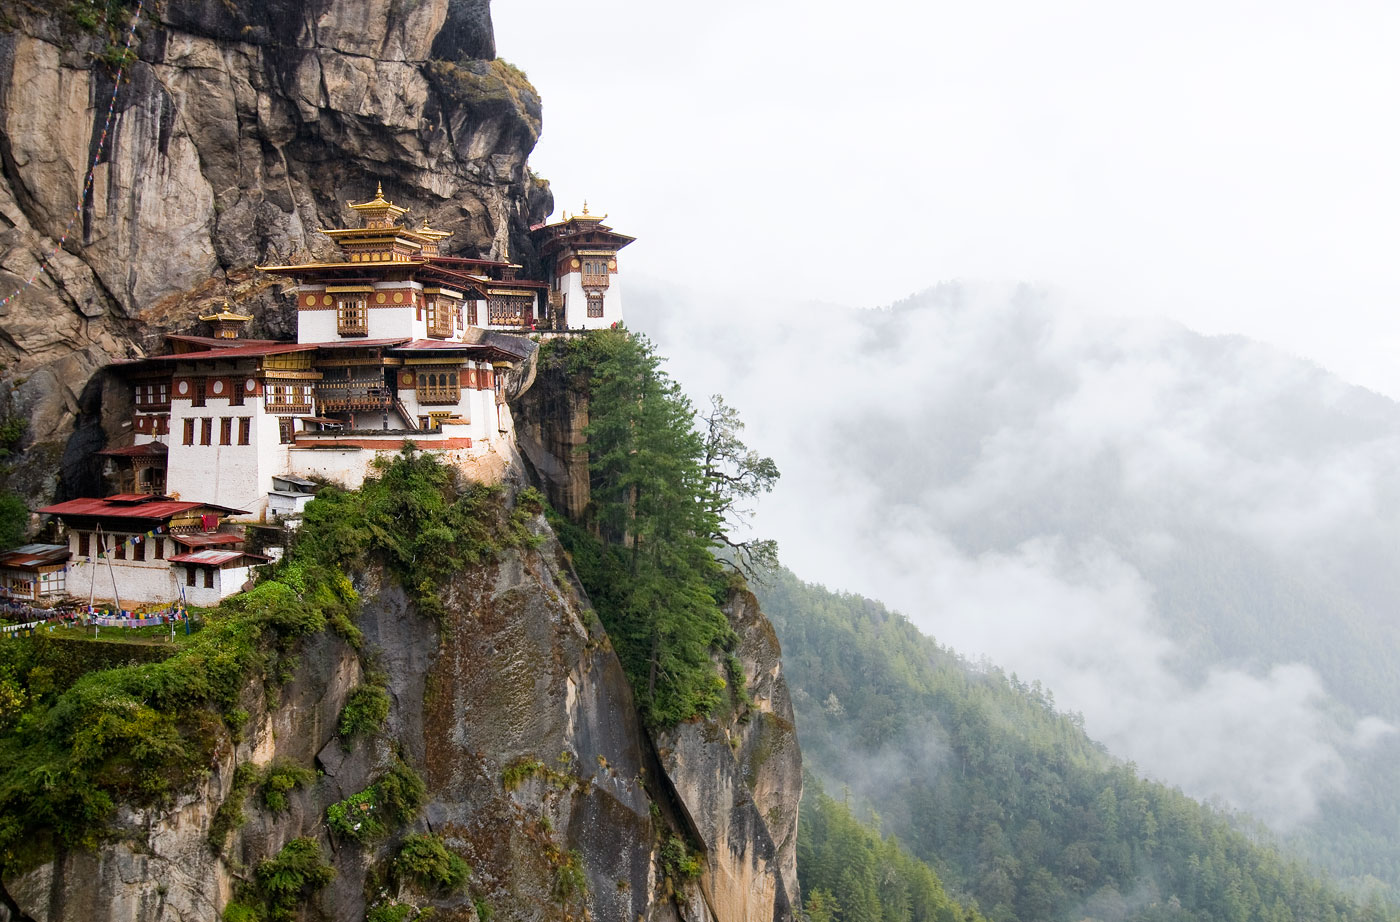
{"x":1186,"y":538}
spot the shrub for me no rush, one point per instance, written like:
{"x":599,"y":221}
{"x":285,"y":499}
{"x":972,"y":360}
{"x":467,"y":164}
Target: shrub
{"x":427,"y":861}
{"x":678,"y":862}
{"x":290,"y":877}
{"x":391,"y":802}
{"x":230,"y":815}
{"x":365,"y":711}
{"x":281,"y":779}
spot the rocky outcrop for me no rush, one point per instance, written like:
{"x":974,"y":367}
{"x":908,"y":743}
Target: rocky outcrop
{"x":517,"y":714}
{"x":239,"y":131}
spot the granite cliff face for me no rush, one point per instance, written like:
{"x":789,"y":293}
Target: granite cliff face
{"x":517,"y":714}
{"x":239,"y":130}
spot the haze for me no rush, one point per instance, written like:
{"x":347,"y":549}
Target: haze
{"x":1227,"y":164}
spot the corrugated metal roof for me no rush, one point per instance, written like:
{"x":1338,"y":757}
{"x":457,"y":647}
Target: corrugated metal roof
{"x":207,"y":558}
{"x":216,"y":539}
{"x":136,"y":451}
{"x":132,"y":506}
{"x":249,"y":350}
{"x":360,"y":343}
{"x":35,"y":555}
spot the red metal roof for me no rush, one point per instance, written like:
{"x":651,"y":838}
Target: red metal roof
{"x":208,"y":558}
{"x":217,"y":342}
{"x":246,"y":351}
{"x":216,"y":539}
{"x":35,"y":555}
{"x":358,"y":343}
{"x":132,"y":506}
{"x":136,"y":451}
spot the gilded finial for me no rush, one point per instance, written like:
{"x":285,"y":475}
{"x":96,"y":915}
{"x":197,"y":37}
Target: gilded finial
{"x":379,"y":190}
{"x":585,"y":207}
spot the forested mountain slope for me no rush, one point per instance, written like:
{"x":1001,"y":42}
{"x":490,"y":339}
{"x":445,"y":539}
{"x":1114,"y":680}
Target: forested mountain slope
{"x":1190,"y":538}
{"x":1004,"y":795}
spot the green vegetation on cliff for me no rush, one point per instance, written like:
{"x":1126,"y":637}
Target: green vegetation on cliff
{"x":645,"y":549}
{"x":1005,"y":797}
{"x":72,"y":751}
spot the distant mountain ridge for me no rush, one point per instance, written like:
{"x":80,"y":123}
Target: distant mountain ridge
{"x":977,"y":774}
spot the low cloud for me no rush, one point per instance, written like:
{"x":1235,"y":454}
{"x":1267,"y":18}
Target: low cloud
{"x":1179,"y":535}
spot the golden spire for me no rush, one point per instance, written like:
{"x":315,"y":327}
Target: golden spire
{"x":585,"y":208}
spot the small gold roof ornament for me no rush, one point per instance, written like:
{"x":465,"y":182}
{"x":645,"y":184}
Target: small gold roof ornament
{"x":379,"y":211}
{"x":226,"y":314}
{"x":432,"y":233}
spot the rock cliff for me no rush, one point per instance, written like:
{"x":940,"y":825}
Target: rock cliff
{"x":239,"y":130}
{"x":518,"y":716}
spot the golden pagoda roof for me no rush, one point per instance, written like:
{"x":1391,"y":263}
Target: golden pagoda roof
{"x":226,"y":315}
{"x":379,"y":206}
{"x":431,"y":233}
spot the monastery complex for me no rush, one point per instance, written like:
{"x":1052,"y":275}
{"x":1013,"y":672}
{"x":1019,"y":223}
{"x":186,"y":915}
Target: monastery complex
{"x":396,"y":343}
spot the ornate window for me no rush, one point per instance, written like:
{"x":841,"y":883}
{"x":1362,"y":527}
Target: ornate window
{"x":200,"y":384}
{"x":595,"y":273}
{"x":595,"y":304}
{"x":288,"y":398}
{"x":509,"y":310}
{"x":189,"y":432}
{"x":245,"y":428}
{"x":206,"y":431}
{"x":471,"y":313}
{"x":226,"y":430}
{"x":286,"y":430}
{"x":440,"y":316}
{"x":352,"y":316}
{"x":438,"y":385}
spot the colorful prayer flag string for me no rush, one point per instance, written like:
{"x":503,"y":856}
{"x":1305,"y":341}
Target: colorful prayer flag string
{"x":92,"y":170}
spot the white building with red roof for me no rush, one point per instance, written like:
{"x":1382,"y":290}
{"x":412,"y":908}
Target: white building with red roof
{"x":137,"y":548}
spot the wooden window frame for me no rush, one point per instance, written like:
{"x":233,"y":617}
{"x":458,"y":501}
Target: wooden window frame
{"x":595,"y":304}
{"x":438,"y":385}
{"x":84,"y":544}
{"x":286,"y":430}
{"x":206,"y":430}
{"x":200,"y":395}
{"x":352,"y":316}
{"x":208,"y":577}
{"x":245,"y":430}
{"x":226,"y":430}
{"x":189,"y":430}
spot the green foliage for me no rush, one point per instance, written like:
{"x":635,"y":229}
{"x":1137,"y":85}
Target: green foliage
{"x":285,"y":881}
{"x":678,"y":862}
{"x":526,"y":767}
{"x":428,"y":862}
{"x":418,"y":518}
{"x":570,"y":883}
{"x":230,"y":814}
{"x":136,"y":734}
{"x":389,"y":803}
{"x":646,"y":558}
{"x":281,"y":779}
{"x":849,"y":872}
{"x":366,"y":708}
{"x":1003,"y":795}
{"x":14,"y":520}
{"x":393,"y":911}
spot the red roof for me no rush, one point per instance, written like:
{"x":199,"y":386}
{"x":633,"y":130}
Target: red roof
{"x":216,"y":539}
{"x":131,"y":506}
{"x":217,"y":342}
{"x":35,"y":555}
{"x":136,"y":451}
{"x":359,"y":343}
{"x":212,"y":558}
{"x":245,"y":351}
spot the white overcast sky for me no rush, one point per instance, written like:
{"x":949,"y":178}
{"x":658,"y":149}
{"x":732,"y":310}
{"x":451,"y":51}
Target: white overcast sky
{"x":1230,"y":164}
